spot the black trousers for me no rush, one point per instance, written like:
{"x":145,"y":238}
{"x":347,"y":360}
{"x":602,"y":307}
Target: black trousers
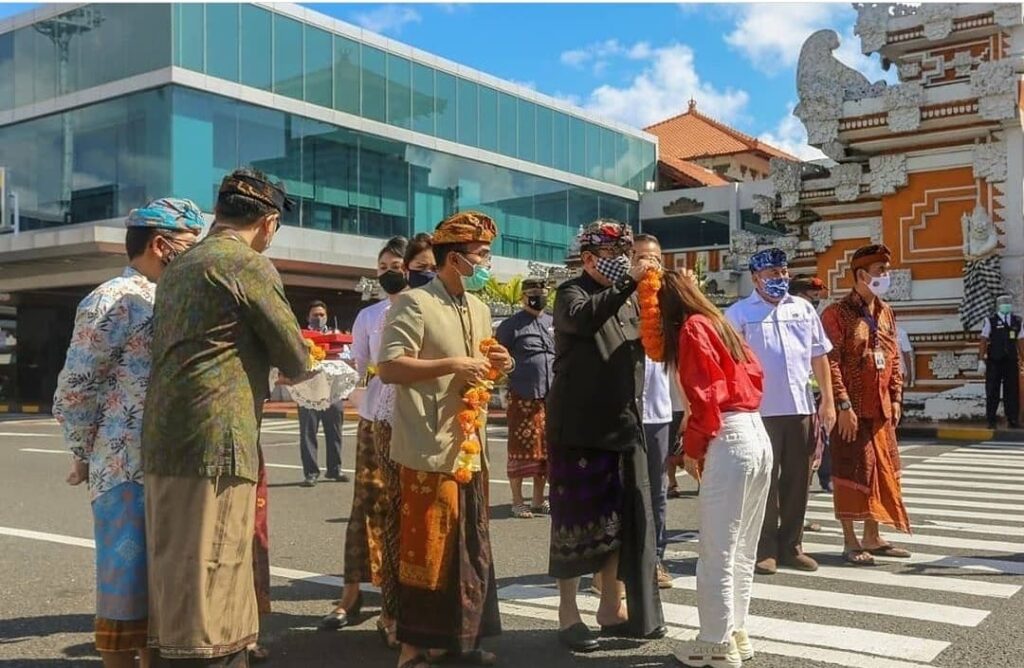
{"x":309,"y":425}
{"x":1002,"y":374}
{"x":793,"y":448}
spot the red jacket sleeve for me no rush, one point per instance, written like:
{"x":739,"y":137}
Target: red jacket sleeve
{"x":704,"y":384}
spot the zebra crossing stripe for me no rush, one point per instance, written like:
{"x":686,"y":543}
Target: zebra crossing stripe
{"x":981,"y":564}
{"x":880,"y":578}
{"x":920,"y":481}
{"x":970,"y":459}
{"x":915,"y":509}
{"x":845,"y":646}
{"x":949,"y":542}
{"x":978,"y":479}
{"x":966,"y":471}
{"x":940,"y":525}
{"x":962,"y":494}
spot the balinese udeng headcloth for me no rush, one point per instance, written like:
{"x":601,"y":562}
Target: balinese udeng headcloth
{"x":465,"y":227}
{"x":866,"y":256}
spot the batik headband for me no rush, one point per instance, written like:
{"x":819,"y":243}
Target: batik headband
{"x":465,"y":227}
{"x":606,"y":233}
{"x":168,"y":213}
{"x":271,"y":194}
{"x":868,"y":255}
{"x":768,"y":259}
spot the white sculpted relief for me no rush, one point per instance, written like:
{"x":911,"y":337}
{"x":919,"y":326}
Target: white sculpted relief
{"x":981,"y":238}
{"x":900,"y":286}
{"x":994,"y":83}
{"x":990,"y":162}
{"x":786,"y":180}
{"x":937,"y":20}
{"x":888,"y":173}
{"x":820,"y":234}
{"x":904,"y":105}
{"x":1008,"y":14}
{"x":847,"y":181}
{"x":982,"y":267}
{"x":872,"y":26}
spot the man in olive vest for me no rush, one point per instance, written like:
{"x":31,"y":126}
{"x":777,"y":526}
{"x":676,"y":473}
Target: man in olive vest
{"x":1000,"y":354}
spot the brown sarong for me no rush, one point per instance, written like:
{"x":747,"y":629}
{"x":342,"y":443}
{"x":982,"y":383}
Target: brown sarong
{"x":527,"y":449}
{"x":392,"y":510}
{"x":120,"y":635}
{"x":199,"y":538}
{"x":365,"y":532}
{"x":447,"y":595}
{"x":866,"y":475}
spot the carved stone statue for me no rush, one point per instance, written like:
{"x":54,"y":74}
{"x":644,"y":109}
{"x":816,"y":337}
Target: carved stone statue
{"x":982,"y":270}
{"x":823,"y":83}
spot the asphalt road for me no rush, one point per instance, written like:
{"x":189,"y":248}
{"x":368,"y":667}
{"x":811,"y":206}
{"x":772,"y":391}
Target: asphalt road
{"x":956,"y":603}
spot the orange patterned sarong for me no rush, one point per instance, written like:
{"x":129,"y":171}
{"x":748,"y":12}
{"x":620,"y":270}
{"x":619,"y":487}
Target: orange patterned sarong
{"x":879,"y":497}
{"x":429,"y":528}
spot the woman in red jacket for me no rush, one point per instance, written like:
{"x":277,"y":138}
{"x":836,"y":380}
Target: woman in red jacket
{"x":727,"y":450}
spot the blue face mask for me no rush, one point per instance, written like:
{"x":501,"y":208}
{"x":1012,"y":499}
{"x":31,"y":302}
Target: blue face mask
{"x":1005,"y":309}
{"x":775,"y":288}
{"x":418,"y":277}
{"x":478,"y":279}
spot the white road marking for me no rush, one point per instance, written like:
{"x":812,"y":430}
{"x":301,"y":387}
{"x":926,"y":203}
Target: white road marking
{"x":940,"y":525}
{"x":997,"y":566}
{"x":920,"y":481}
{"x":25,"y":434}
{"x":978,"y":479}
{"x":965,"y":470}
{"x":916,"y":509}
{"x":948,"y":542}
{"x":972,"y":460}
{"x":962,"y":494}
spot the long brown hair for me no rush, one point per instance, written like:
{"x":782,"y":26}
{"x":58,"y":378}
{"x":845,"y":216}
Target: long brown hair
{"x":679,"y":298}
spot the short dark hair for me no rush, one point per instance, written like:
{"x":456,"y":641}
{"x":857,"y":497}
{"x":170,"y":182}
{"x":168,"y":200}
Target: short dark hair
{"x":136,"y":239}
{"x":419,"y":243}
{"x":646,"y":238}
{"x":442,"y":251}
{"x":316,"y":303}
{"x":239,"y":208}
{"x":395,"y":246}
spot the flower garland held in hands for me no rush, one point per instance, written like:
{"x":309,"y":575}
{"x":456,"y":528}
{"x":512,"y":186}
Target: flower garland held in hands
{"x":650,"y":316}
{"x":471,"y":421}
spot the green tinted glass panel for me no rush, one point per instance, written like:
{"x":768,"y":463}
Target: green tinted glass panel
{"x":508,"y":124}
{"x":257,"y":34}
{"x":593,"y":169}
{"x":527,"y":130}
{"x":423,"y":99}
{"x":317,"y":67}
{"x":287,"y":57}
{"x":488,"y":119}
{"x":447,"y":106}
{"x":346,"y":75}
{"x":222,"y":41}
{"x":188,"y":42}
{"x":469,"y":126}
{"x":545,"y":150}
{"x":577,"y":146}
{"x":374,"y":86}
{"x":560,"y":141}
{"x":608,"y":150}
{"x":399,"y":91}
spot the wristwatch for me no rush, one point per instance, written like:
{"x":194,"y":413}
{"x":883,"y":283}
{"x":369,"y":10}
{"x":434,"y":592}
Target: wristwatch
{"x":845,"y":405}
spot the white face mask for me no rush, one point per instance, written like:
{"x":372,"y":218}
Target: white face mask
{"x":879,"y":285}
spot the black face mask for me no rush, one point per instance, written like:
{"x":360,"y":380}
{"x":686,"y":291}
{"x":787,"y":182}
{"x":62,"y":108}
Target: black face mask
{"x":392,"y":282}
{"x":418,"y":278}
{"x":537,"y":303}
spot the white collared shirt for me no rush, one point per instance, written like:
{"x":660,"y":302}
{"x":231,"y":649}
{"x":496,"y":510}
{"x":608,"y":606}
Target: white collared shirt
{"x":366,"y":332}
{"x":785,"y":337}
{"x":986,"y":327}
{"x":657,"y":397}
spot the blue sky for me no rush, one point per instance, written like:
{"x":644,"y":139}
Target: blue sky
{"x":636,"y":63}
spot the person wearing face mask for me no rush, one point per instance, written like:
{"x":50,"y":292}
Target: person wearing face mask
{"x":601,"y":516}
{"x":100,"y":395}
{"x":220,"y":322}
{"x":332,"y":418}
{"x":1000,"y":352}
{"x":528,"y":336}
{"x":868,"y":390}
{"x":787,"y":336}
{"x":365,"y":525}
{"x":430,"y":351}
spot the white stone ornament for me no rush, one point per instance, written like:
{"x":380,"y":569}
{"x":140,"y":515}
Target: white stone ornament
{"x":904,"y":105}
{"x":876,"y":232}
{"x":962,"y":63}
{"x":899,"y":286}
{"x":944,"y":365}
{"x":994,"y":83}
{"x":937,"y":20}
{"x":1008,"y":14}
{"x":786,"y":180}
{"x":872,"y":26}
{"x":910,"y":70}
{"x":990,"y":161}
{"x":820,"y":234}
{"x":846,"y":179}
{"x":888,"y":173}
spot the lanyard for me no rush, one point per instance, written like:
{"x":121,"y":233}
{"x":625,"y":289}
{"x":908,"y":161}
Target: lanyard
{"x":872,"y":326}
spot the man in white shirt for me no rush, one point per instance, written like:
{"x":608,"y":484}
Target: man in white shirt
{"x":1000,"y":351}
{"x":786,"y":335}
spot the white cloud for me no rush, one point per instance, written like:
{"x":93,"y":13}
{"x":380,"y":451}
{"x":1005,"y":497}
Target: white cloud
{"x":770,"y":36}
{"x":791,"y":136}
{"x":669,"y":78}
{"x":599,"y":54}
{"x":387,"y":18}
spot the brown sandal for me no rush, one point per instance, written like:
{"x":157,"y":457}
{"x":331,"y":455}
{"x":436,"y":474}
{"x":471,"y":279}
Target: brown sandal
{"x":851,"y":557}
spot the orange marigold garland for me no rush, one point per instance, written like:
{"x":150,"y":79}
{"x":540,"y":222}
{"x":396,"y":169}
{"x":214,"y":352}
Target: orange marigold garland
{"x":471,"y":421}
{"x":650,"y":316}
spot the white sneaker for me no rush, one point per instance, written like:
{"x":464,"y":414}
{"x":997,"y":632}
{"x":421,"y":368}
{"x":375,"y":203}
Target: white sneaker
{"x":743,"y":645}
{"x":700,"y":654}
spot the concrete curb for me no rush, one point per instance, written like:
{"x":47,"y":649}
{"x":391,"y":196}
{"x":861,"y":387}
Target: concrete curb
{"x":958,"y":433}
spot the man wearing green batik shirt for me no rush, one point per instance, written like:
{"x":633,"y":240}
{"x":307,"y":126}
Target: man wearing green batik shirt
{"x":221,"y":320}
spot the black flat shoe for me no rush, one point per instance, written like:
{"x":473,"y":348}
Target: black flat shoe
{"x":339,"y":619}
{"x":624,"y":630}
{"x":579,"y":638}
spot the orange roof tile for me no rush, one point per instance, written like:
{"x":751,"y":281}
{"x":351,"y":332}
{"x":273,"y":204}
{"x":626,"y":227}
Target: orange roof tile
{"x":690,"y":173}
{"x":694,"y":135}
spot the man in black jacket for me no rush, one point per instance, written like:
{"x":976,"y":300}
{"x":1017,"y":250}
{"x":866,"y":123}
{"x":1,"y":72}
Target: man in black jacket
{"x":999,"y":352}
{"x":600,"y":492}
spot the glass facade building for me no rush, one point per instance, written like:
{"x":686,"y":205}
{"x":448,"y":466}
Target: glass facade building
{"x":382,"y":141}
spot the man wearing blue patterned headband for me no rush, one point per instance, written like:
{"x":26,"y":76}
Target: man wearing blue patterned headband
{"x":98,"y":402}
{"x":789,"y":340}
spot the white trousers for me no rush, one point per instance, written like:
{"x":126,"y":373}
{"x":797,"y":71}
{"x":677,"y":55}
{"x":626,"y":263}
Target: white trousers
{"x":733,"y":489}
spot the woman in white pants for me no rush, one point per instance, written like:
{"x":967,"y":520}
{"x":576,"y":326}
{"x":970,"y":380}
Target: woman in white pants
{"x":727,"y":450}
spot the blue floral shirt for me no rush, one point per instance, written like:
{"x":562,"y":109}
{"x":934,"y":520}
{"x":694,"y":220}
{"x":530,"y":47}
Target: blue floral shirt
{"x":102,"y":388}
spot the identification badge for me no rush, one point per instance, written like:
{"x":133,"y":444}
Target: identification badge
{"x":879,"y":360}
{"x":1013,"y":334}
